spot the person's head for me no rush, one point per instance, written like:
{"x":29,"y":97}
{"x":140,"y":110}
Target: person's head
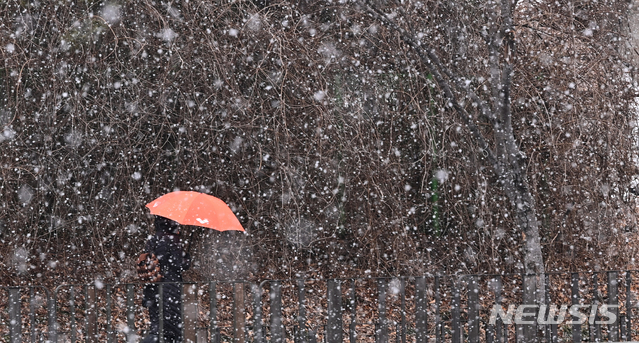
{"x":166,"y":226}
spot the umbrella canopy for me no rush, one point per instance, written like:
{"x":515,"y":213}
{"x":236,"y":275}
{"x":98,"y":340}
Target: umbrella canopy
{"x":194,"y":208}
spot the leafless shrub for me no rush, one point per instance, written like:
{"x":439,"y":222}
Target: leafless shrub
{"x":304,"y":111}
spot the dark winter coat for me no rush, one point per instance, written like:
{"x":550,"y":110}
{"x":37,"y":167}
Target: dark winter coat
{"x":173,"y":261}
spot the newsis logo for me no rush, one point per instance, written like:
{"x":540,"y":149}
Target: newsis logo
{"x":577,"y":314}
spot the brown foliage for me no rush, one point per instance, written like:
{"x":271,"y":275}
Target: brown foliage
{"x":315,"y":123}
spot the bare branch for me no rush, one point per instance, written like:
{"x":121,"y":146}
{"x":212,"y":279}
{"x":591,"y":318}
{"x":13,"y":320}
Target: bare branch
{"x":432,"y":62}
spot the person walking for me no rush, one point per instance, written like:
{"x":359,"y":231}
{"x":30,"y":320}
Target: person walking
{"x":166,"y":245}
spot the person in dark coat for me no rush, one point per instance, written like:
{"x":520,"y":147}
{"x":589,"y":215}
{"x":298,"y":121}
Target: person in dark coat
{"x":167,"y":247}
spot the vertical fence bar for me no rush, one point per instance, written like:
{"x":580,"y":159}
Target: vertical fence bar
{"x":301,"y":312}
{"x":421,"y":305}
{"x":613,"y":301}
{"x":551,"y":329}
{"x":456,"y":312}
{"x":15,"y":318}
{"x":277,"y":334}
{"x":528,"y":328}
{"x":161,"y":312}
{"x":90,"y":314}
{"x":32,"y":333}
{"x":182,"y":328}
{"x":257,"y":320}
{"x":87,"y":313}
{"x":438,"y":318}
{"x":574,"y":299}
{"x":109,"y":324}
{"x":312,"y":336}
{"x":72,"y":313}
{"x":352,"y":335}
{"x":334,"y":320}
{"x":238,"y":312}
{"x":381,"y":332}
{"x":213,"y":312}
{"x":595,"y":334}
{"x":499,"y":332}
{"x":545,"y":314}
{"x":53,"y":323}
{"x":490,"y":334}
{"x":190,"y":306}
{"x":504,"y":332}
{"x":296,"y":335}
{"x":130,"y":311}
{"x":473,"y":309}
{"x":403,"y":305}
{"x":628,"y":321}
{"x":519,"y":329}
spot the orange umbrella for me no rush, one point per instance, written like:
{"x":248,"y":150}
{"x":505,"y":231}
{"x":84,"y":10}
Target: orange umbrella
{"x":194,"y":208}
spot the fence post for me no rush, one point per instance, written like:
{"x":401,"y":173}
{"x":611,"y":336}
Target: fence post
{"x":473,"y":309}
{"x":628,"y":321}
{"x":551,"y":329}
{"x":595,"y":331}
{"x":438,"y":318}
{"x":576,"y":328}
{"x":109,"y":325}
{"x":257,"y":319}
{"x":527,"y":333}
{"x":301,"y":311}
{"x":403,"y":305}
{"x":161,"y":312}
{"x":490,"y":334}
{"x":277,"y":334}
{"x":613,"y":300}
{"x":90,"y":312}
{"x":213,"y":312}
{"x":15,"y":317}
{"x":456,"y":312}
{"x":238,"y":312}
{"x":334,"y":320}
{"x":352,"y":335}
{"x":72,"y":313}
{"x":381,"y":332}
{"x":32,"y":333}
{"x":190,"y":313}
{"x":130,"y":311}
{"x":312,"y":336}
{"x":421,"y":304}
{"x":498,"y":329}
{"x":53,"y":324}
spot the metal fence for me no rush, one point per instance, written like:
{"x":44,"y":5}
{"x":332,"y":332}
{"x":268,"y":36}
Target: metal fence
{"x":434,"y":308}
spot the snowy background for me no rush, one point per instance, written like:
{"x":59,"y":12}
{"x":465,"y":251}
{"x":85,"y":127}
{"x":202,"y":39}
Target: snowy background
{"x":323,"y":131}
